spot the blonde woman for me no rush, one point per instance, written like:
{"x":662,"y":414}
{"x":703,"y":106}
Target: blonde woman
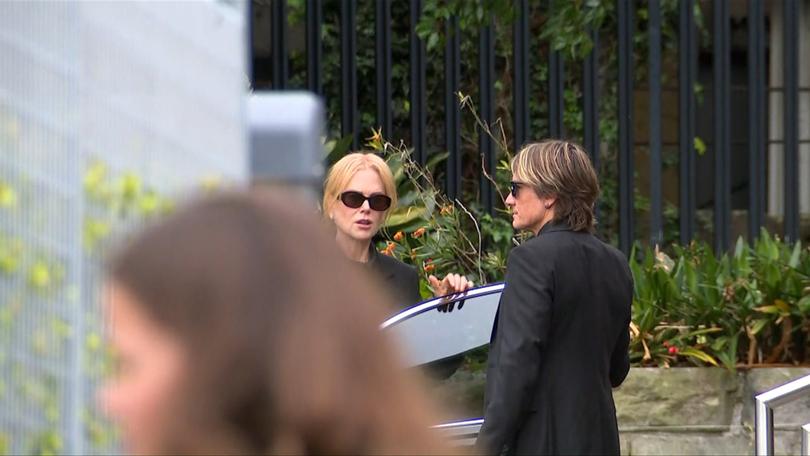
{"x":359,"y":193}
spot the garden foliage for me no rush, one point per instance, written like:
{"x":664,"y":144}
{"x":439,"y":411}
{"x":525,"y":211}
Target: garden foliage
{"x":691,"y":307}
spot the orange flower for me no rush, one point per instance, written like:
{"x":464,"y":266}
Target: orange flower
{"x":398,"y":237}
{"x":389,"y":249}
{"x":375,"y":141}
{"x":429,"y":266}
{"x":419,"y":233}
{"x":446,"y":210}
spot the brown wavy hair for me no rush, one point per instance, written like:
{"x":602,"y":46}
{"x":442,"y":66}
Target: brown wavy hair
{"x":283,"y":340}
{"x":561,"y":169}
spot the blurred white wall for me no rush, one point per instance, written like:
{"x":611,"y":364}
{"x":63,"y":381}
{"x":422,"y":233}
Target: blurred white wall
{"x":108,"y":111}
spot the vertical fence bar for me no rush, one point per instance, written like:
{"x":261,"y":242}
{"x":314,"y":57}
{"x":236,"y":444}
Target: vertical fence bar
{"x":348,"y":59}
{"x":590,"y":102}
{"x":452,"y":122}
{"x":625,"y":101}
{"x":656,"y":211}
{"x":278,"y":22}
{"x":383,"y":63}
{"x":522,"y":83}
{"x":722,"y":141}
{"x":486,"y":80}
{"x":556,"y":80}
{"x":791,"y":132}
{"x":756,"y":119}
{"x":417,"y":87}
{"x":314,"y":48}
{"x":687,"y":71}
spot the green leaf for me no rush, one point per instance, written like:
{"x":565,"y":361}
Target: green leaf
{"x":700,"y":146}
{"x":94,"y":231}
{"x":769,"y":309}
{"x":8,"y":197}
{"x":758,"y":325}
{"x":704,"y":331}
{"x":739,"y":249}
{"x":40,"y":276}
{"x":729,"y":356}
{"x":94,"y":178}
{"x":401,"y":220}
{"x":719,"y":343}
{"x":10,"y":253}
{"x":130,"y":186}
{"x":149,"y":203}
{"x":435,"y":159}
{"x":339,"y":148}
{"x":796,"y":256}
{"x":804,"y":305}
{"x":432,"y":41}
{"x":93,"y":342}
{"x":699,"y":354}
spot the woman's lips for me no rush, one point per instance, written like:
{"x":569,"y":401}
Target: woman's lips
{"x":363,"y":223}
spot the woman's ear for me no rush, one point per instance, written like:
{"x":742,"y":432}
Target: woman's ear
{"x":549,"y":202}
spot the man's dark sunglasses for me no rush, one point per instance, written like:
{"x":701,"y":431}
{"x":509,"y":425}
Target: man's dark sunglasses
{"x":514,"y":188}
{"x":356,"y":199}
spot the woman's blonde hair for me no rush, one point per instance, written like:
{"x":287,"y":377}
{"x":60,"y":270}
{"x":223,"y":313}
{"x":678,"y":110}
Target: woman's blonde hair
{"x":561,"y":169}
{"x":344,"y":170}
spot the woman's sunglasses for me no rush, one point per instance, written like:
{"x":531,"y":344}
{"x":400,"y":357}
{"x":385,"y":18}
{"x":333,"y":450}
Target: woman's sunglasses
{"x":356,"y":199}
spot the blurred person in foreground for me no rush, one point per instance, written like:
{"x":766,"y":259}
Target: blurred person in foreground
{"x":238,"y":331}
{"x":560,"y":341}
{"x":359,"y":193}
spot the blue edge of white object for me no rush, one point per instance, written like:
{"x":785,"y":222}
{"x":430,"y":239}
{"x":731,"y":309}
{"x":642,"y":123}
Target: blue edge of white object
{"x":424,"y":306}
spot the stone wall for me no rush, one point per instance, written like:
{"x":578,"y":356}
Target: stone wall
{"x":688,"y":410}
{"x":703,"y":411}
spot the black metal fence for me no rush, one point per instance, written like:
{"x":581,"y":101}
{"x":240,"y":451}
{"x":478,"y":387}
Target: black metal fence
{"x":687,"y":110}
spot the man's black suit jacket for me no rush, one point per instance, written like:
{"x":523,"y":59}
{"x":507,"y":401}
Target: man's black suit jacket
{"x":560,"y":344}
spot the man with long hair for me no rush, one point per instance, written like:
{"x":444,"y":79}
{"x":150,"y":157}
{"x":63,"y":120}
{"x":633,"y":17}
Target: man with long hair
{"x":561,"y":333}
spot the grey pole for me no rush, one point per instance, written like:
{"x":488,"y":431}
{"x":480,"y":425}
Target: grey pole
{"x":764,"y":428}
{"x":286,"y":145}
{"x":764,"y":405}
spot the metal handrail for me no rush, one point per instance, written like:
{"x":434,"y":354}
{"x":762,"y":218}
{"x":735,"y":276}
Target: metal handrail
{"x":806,"y":439}
{"x":766,"y":402}
{"x":461,"y":433}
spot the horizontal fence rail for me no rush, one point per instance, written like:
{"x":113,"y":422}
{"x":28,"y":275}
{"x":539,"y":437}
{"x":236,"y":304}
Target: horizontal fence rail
{"x":711,"y":182}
